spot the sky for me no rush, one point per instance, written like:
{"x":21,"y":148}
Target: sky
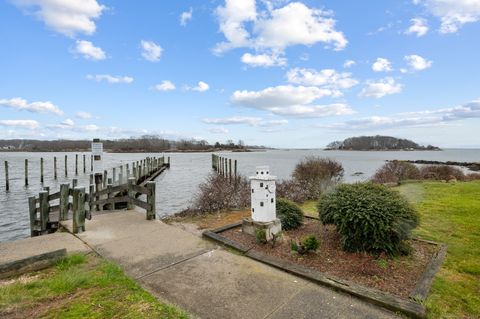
{"x":293,"y":74}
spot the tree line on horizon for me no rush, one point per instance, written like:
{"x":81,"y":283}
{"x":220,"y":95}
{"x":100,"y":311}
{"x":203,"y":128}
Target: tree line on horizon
{"x":145,"y":143}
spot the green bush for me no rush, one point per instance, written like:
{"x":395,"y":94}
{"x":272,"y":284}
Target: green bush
{"x":311,"y":243}
{"x":289,"y":214}
{"x":369,"y":218}
{"x":261,"y":236}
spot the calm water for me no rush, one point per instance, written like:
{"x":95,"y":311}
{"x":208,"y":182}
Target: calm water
{"x":176,"y":187}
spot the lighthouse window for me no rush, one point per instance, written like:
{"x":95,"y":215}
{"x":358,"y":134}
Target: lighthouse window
{"x":253,"y":191}
{"x":261,"y":172}
{"x":253,"y":210}
{"x":271,"y":200}
{"x":261,"y":184}
{"x":261,"y":204}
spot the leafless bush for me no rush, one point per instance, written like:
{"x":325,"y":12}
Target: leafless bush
{"x":396,"y":171}
{"x":216,"y":193}
{"x":441,"y":172}
{"x":472,"y":177}
{"x":314,"y":175}
{"x":291,"y":190}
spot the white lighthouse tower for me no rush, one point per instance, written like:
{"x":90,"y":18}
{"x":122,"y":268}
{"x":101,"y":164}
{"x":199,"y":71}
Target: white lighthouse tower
{"x":262,"y":188}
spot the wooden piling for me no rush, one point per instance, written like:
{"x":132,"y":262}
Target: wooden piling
{"x":78,"y":210}
{"x":44,"y":210}
{"x":32,"y":210}
{"x":230,"y":170}
{"x":76,"y":164}
{"x":109,"y":194}
{"x":114,"y":175}
{"x":98,"y":187}
{"x":131,"y":192}
{"x":66,"y":166}
{"x":7,"y":183}
{"x":55,"y":168}
{"x":120,"y":175}
{"x":235,"y":170}
{"x":91,"y":198}
{"x":226,"y":169}
{"x":26,"y":172}
{"x":151,"y":213}
{"x":105,"y":176}
{"x":41,"y":170}
{"x":63,"y":204}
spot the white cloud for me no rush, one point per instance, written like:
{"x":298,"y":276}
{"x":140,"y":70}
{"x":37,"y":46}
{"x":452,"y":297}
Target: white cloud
{"x":68,"y":17}
{"x":218,"y":130}
{"x":89,"y":51}
{"x":151,"y":51}
{"x":35,"y":107}
{"x":234,"y":120}
{"x":327,"y":79}
{"x":201,"y":87}
{"x":110,"y":78}
{"x":30,"y":124}
{"x":232,"y":18}
{"x":419,"y":27}
{"x":272,"y":123}
{"x":348,"y":64}
{"x":185,"y":17}
{"x":417,"y":63}
{"x":68,"y":123}
{"x":245,"y":120}
{"x":412,"y":119}
{"x":288,"y":100}
{"x":166,"y":85}
{"x":263,"y":60}
{"x":84,"y":115}
{"x":382,"y":65}
{"x":453,"y":13}
{"x":381,"y":88}
{"x":277,"y":28}
{"x":297,"y":24}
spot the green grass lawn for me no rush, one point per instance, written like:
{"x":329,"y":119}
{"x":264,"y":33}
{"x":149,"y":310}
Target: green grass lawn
{"x":80,"y":287}
{"x":450,"y":213}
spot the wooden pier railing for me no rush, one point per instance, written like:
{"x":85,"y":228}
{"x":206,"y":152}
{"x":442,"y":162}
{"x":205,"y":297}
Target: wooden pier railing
{"x":47,"y":210}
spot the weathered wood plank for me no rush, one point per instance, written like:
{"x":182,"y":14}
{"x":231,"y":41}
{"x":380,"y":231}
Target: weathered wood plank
{"x":421,"y":290}
{"x":54,"y":196}
{"x":141,"y":204}
{"x":29,"y":264}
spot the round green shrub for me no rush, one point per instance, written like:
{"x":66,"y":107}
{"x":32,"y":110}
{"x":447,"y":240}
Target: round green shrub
{"x":289,"y":214}
{"x":311,"y":243}
{"x":369,"y":218}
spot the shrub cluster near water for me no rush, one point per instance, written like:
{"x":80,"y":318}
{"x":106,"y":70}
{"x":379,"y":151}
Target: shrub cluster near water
{"x":397,"y":171}
{"x":369,"y":217}
{"x":218,"y":193}
{"x":310,"y":178}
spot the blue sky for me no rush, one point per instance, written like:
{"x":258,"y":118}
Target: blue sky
{"x":278,"y":73}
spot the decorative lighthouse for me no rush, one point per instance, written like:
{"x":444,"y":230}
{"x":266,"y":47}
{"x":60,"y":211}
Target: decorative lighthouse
{"x":262,"y":188}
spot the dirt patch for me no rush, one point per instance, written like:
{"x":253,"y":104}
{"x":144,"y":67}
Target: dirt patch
{"x":209,"y":221}
{"x":397,"y":276}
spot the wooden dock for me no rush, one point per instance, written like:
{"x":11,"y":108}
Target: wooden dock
{"x":75,"y":203}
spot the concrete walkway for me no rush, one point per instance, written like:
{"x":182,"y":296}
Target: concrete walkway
{"x":208,"y":281}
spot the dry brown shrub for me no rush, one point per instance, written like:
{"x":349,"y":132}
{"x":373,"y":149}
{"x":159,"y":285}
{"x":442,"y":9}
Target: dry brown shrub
{"x":441,"y":172}
{"x":396,"y":171}
{"x":315,"y":174}
{"x":216,"y":193}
